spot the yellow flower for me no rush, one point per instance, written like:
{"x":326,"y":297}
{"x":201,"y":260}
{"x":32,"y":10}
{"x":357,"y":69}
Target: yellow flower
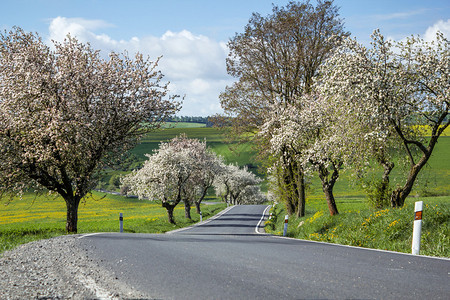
{"x":393,"y":223}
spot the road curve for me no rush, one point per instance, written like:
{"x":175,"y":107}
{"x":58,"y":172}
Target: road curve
{"x":226,"y":259}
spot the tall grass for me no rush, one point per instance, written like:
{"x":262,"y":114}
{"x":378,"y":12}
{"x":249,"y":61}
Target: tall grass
{"x":357,"y":225}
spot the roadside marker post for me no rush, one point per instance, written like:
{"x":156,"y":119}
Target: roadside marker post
{"x":121,"y":222}
{"x":417,"y":229}
{"x":201,"y":217}
{"x":285,"y":225}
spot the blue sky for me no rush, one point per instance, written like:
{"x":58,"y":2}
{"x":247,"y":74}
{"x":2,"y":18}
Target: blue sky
{"x":191,"y":35}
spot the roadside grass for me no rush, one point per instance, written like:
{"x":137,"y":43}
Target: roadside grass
{"x":357,"y":225}
{"x":33,"y":218}
{"x":391,"y":229}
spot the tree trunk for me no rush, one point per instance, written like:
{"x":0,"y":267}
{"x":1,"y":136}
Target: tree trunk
{"x":290,"y":189}
{"x":399,"y":195}
{"x":187,"y":209}
{"x":328,"y":185}
{"x":197,"y":206}
{"x":383,"y":188}
{"x":199,"y":201}
{"x":169,"y":207}
{"x":302,"y":195}
{"x":328,"y":190}
{"x":72,"y":203}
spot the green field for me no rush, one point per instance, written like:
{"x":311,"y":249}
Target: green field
{"x":233,"y":153}
{"x":32,"y":218}
{"x":214,"y":139}
{"x":184,"y":125}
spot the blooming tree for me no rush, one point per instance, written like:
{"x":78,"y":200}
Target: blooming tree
{"x":180,"y":170}
{"x":306,"y":130}
{"x":210,"y":165}
{"x":66,"y":113}
{"x":206,"y":166}
{"x":395,"y":86}
{"x":252,"y":195}
{"x":236,"y":185}
{"x":274,"y":61}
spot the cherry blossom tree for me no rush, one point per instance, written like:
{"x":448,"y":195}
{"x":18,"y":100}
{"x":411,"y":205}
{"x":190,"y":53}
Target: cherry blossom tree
{"x":206,"y":166}
{"x":163,"y":176}
{"x":252,"y":195}
{"x":66,"y":113}
{"x":401,"y":88}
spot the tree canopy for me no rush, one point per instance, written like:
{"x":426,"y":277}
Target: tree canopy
{"x":392,"y":88}
{"x":275,"y":61}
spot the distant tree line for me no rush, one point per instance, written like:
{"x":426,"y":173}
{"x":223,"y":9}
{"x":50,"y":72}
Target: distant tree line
{"x":190,"y":119}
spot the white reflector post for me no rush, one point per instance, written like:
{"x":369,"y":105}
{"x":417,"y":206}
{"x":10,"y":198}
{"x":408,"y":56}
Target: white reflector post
{"x":285,"y":224}
{"x":417,"y":229}
{"x":121,"y":222}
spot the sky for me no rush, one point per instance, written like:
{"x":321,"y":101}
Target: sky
{"x":191,"y":35}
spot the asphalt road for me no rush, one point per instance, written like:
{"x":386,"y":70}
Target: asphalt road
{"x":226,"y":259}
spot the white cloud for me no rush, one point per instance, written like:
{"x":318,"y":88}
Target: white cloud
{"x":194,"y":64}
{"x":60,"y":27}
{"x":442,"y":26}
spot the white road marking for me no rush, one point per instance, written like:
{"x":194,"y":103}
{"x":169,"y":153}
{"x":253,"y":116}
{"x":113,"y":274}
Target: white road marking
{"x":90,"y":234}
{"x":260,"y":220}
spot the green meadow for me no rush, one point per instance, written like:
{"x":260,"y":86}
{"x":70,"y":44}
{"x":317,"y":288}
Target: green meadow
{"x":35,"y":217}
{"x":215,"y":139}
{"x":357,"y":225}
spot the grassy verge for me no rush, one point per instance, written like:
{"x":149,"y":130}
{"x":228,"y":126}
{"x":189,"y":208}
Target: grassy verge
{"x":32,"y":218}
{"x":388,"y":229}
{"x":357,"y":225}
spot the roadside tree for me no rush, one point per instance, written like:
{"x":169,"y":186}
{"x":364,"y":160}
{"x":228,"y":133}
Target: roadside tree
{"x":234,"y":184}
{"x":210,"y":166}
{"x":164,"y":175}
{"x":182,"y":169}
{"x":309,"y":134}
{"x":67,"y":113}
{"x":402,"y":88}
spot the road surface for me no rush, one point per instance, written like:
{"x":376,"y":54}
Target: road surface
{"x":226,"y":259}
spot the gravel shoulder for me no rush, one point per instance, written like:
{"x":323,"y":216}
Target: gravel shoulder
{"x":57,"y":269}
